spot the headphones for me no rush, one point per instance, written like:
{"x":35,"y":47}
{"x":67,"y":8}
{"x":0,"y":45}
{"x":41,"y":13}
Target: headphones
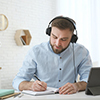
{"x":74,"y":36}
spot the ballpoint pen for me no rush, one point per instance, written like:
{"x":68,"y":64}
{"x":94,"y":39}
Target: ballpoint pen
{"x":19,"y":95}
{"x":36,"y":77}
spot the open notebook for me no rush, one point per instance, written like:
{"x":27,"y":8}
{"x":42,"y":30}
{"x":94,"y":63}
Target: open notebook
{"x":49,"y":90}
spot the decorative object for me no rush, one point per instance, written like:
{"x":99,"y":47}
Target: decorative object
{"x":3,"y":22}
{"x":23,"y":37}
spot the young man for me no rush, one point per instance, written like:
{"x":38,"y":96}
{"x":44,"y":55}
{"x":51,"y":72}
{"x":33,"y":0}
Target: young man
{"x":54,"y":62}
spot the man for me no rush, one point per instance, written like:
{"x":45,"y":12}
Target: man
{"x":54,"y":62}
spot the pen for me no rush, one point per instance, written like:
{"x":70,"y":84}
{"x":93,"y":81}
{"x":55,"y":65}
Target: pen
{"x":20,"y":95}
{"x":17,"y":95}
{"x":36,"y":77}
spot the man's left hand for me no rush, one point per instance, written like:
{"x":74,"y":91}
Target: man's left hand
{"x":68,"y":88}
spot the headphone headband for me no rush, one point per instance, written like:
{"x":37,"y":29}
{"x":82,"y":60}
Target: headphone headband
{"x":67,"y":18}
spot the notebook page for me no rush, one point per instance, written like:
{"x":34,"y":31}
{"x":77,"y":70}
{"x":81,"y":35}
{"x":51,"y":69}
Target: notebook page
{"x":49,"y":90}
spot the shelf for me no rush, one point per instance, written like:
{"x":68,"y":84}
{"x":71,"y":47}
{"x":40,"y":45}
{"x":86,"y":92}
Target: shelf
{"x":23,"y":37}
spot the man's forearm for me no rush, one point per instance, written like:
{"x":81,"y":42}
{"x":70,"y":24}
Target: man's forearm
{"x":25,"y":85}
{"x":81,"y":85}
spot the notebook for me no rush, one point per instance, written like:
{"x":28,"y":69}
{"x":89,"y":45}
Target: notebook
{"x":4,"y":92}
{"x":48,"y":91}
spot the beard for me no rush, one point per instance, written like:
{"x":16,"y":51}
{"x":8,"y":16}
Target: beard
{"x":57,"y":49}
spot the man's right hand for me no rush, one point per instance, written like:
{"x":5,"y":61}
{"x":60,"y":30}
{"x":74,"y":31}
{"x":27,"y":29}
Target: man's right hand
{"x":39,"y":86}
{"x":34,"y":86}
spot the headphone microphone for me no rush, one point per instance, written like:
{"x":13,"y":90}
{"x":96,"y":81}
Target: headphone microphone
{"x":73,"y":39}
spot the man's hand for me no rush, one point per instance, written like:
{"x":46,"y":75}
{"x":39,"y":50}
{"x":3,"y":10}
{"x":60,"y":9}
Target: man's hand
{"x":71,"y":88}
{"x":34,"y":86}
{"x":39,"y":86}
{"x":68,"y":88}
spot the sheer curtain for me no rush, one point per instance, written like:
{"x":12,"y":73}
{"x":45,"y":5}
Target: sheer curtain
{"x":87,"y":16}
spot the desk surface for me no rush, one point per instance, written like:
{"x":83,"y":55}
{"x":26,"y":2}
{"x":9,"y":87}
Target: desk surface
{"x":76,"y":96}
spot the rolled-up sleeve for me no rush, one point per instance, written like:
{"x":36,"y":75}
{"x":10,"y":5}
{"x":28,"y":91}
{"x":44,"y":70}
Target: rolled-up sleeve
{"x":85,"y":66}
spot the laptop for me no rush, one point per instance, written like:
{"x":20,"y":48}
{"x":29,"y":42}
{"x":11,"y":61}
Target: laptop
{"x":93,"y":84}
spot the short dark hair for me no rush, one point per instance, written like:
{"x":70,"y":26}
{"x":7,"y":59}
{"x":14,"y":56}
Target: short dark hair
{"x":63,"y":24}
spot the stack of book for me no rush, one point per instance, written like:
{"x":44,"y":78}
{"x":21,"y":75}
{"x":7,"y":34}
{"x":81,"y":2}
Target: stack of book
{"x":6,"y":93}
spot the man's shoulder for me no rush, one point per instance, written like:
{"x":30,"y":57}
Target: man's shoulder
{"x":81,"y":47}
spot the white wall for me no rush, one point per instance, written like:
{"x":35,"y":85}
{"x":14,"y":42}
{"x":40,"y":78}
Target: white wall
{"x":22,"y":14}
{"x":35,"y":16}
{"x":86,"y":13}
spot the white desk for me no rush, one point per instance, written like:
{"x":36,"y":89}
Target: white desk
{"x":76,"y":96}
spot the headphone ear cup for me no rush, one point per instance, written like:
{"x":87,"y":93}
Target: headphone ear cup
{"x":48,"y":31}
{"x":74,"y":38}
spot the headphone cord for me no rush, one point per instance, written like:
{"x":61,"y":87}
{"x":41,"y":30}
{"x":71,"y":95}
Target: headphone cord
{"x":74,"y":62}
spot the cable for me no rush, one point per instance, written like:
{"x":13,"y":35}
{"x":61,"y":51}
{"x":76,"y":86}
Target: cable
{"x":74,"y":62}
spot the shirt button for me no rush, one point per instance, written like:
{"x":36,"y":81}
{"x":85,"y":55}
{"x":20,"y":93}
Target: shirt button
{"x":59,"y":68}
{"x":60,"y":57}
{"x":59,"y":80}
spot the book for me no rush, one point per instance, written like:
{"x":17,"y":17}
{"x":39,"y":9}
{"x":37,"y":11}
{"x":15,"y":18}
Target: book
{"x":10,"y":95}
{"x":48,"y":91}
{"x":4,"y":92}
{"x":25,"y":38}
{"x":22,"y":41}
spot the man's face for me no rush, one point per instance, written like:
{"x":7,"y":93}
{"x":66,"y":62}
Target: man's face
{"x":60,"y":39}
